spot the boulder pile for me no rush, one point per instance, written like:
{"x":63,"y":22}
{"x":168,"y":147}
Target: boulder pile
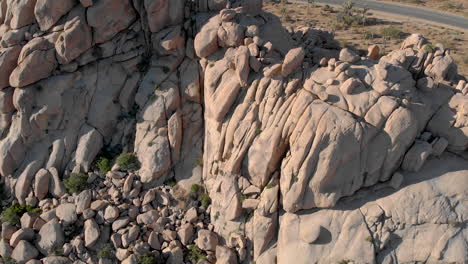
{"x":279,"y":144}
{"x":114,"y":220}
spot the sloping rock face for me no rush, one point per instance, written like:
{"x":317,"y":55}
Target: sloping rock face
{"x":81,"y":83}
{"x":374,"y":227}
{"x":278,"y":125}
{"x":306,"y":134}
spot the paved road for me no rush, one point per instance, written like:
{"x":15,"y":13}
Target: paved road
{"x":409,"y":11}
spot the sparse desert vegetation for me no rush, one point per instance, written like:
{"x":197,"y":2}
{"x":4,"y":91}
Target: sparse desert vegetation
{"x":383,"y":32}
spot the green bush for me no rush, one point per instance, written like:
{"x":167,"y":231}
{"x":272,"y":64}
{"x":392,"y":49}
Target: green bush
{"x":104,"y":165}
{"x":198,"y":192}
{"x":391,"y":33}
{"x":195,"y":188}
{"x":13,"y":213}
{"x":242,"y":198}
{"x":105,"y":253}
{"x":196,"y":254}
{"x":144,"y":64}
{"x":205,"y":200}
{"x":170,"y":182}
{"x":8,"y":260}
{"x":76,"y":183}
{"x":128,"y":162}
{"x":270,"y":185}
{"x":147,"y":259}
{"x":57,"y":252}
{"x":429,"y":48}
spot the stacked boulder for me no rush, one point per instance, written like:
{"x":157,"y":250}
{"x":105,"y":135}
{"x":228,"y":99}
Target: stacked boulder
{"x":291,"y":136}
{"x":292,"y":129}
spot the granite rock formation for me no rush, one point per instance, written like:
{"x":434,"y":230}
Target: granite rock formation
{"x":307,"y":151}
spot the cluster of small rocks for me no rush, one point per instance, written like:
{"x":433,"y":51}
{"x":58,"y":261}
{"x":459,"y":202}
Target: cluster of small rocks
{"x":117,"y":220}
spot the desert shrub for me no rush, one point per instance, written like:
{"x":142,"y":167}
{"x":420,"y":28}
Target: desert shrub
{"x":429,"y":48}
{"x":76,"y":183}
{"x":147,"y":259}
{"x":196,"y":254}
{"x":104,"y":165}
{"x":56,"y":252}
{"x":195,"y":188}
{"x":105,"y":253}
{"x":243,"y":198}
{"x":391,"y":33}
{"x":369,"y":35}
{"x":170,"y":182}
{"x":8,"y":260}
{"x":144,"y":64}
{"x":199,"y":193}
{"x":12,"y":214}
{"x":270,"y":185}
{"x":327,"y":8}
{"x":204,"y":199}
{"x":216,"y":216}
{"x":72,"y":231}
{"x":128,"y":162}
{"x":350,"y":16}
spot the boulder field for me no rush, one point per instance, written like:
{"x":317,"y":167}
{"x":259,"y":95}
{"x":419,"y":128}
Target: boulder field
{"x":256,"y":143}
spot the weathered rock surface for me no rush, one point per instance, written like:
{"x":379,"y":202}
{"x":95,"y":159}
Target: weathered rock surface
{"x":379,"y":230}
{"x":281,"y":145}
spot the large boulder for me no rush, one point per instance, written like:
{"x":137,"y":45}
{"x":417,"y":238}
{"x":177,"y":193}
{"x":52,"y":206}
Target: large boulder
{"x":36,"y":61}
{"x":48,"y":12}
{"x":89,"y":144}
{"x":24,"y":252}
{"x":206,"y":41}
{"x":109,"y":17}
{"x":74,"y":41}
{"x":91,"y":232}
{"x":8,"y":62}
{"x":20,"y":13}
{"x":292,"y":61}
{"x":51,"y":237}
{"x":162,"y":13}
{"x":378,"y":229}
